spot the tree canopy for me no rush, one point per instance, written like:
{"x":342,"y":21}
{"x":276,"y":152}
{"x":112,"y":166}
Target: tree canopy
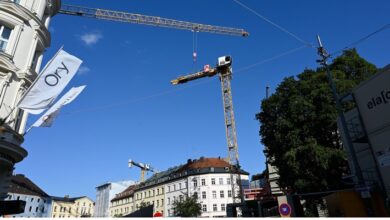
{"x":299,"y":129}
{"x":189,"y":207}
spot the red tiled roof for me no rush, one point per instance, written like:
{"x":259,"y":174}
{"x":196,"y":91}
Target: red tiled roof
{"x":207,"y":162}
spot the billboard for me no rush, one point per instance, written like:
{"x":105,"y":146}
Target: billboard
{"x":373,"y":100}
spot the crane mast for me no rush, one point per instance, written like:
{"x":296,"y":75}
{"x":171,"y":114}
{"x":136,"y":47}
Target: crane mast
{"x":148,"y":20}
{"x":224,"y":71}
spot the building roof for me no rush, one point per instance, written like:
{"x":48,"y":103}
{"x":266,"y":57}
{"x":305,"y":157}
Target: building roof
{"x":126,"y":193}
{"x":65,"y":198}
{"x":206,"y":163}
{"x":23,"y":185}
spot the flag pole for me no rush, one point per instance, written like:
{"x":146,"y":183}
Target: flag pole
{"x":27,"y":130}
{"x":6,"y":117}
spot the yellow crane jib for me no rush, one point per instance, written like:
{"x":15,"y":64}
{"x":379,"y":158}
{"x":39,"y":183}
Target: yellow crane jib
{"x":206,"y":72}
{"x":148,"y":20}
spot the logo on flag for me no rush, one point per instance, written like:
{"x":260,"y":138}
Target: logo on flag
{"x":50,"y":82}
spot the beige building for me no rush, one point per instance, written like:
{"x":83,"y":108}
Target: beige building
{"x":123,"y":203}
{"x":65,"y":207}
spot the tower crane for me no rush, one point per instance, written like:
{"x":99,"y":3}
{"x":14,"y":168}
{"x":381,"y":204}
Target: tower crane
{"x":144,"y":168}
{"x":148,"y":20}
{"x":224,"y":71}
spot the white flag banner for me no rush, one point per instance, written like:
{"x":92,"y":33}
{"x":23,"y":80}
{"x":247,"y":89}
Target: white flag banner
{"x":47,"y":119}
{"x":50,"y":82}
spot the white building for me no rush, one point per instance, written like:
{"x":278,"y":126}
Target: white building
{"x":105,"y":193}
{"x":38,"y":203}
{"x":174,"y":191}
{"x":24,"y":36}
{"x":208,"y":179}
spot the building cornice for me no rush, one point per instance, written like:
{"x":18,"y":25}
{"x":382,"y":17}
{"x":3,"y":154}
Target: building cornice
{"x":27,"y":17}
{"x":6,"y":63}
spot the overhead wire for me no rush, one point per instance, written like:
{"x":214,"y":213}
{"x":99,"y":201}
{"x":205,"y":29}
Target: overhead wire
{"x":274,"y":24}
{"x":170,"y":91}
{"x":361,"y":40}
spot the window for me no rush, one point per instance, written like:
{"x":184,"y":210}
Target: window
{"x":223,"y":208}
{"x":17,"y":198}
{"x":212,"y":181}
{"x":30,"y":209}
{"x":158,"y":191}
{"x":70,"y":210}
{"x":215,"y":208}
{"x":214,"y":194}
{"x":162,"y":202}
{"x":229,"y":193}
{"x":64,"y":209}
{"x":195,"y":183}
{"x":174,"y":199}
{"x":39,"y":200}
{"x":204,"y":208}
{"x":169,"y":201}
{"x":55,"y":208}
{"x":169,"y":188}
{"x":158,"y":203}
{"x":203,"y":182}
{"x":153,"y":192}
{"x":181,"y":198}
{"x":32,"y":199}
{"x":222,"y":194}
{"x":179,"y":185}
{"x":195,"y":195}
{"x":174,"y":187}
{"x":220,"y":181}
{"x":228,"y":181}
{"x":36,"y":209}
{"x":203,"y":195}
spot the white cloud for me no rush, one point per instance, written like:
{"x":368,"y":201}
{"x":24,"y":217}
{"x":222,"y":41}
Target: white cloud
{"x":83,"y":70}
{"x":91,"y":38}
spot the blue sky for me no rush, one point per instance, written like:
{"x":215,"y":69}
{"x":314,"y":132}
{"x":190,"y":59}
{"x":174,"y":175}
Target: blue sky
{"x":129,"y":108}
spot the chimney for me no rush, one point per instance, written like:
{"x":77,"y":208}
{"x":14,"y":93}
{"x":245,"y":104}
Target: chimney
{"x":189,"y":161}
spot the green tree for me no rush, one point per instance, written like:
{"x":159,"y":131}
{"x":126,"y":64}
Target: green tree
{"x":299,"y":129}
{"x":189,"y":207}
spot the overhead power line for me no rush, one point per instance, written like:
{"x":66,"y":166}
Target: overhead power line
{"x":361,"y":40}
{"x":274,"y":24}
{"x":170,"y":91}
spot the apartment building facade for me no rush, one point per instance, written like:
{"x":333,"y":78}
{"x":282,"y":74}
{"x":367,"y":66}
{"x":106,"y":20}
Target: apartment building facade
{"x":208,"y":179}
{"x":38,"y":202}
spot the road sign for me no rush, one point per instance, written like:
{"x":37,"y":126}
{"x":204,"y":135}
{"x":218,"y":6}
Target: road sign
{"x":157,"y":214}
{"x":285,"y":209}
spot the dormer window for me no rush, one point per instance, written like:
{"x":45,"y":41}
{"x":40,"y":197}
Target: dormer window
{"x":5,"y":33}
